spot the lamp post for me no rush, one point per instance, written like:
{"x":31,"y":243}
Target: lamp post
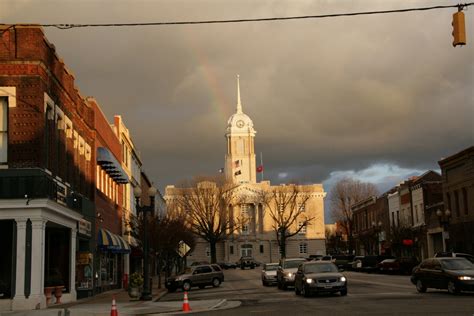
{"x":377,"y":227}
{"x":444,"y":218}
{"x":144,"y":209}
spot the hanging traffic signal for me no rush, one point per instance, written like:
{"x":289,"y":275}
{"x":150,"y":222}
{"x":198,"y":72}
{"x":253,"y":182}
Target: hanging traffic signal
{"x":459,"y":29}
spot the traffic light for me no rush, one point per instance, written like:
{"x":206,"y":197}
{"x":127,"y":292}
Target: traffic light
{"x":459,"y":29}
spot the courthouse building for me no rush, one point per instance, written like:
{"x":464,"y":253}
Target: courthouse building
{"x":257,"y":237}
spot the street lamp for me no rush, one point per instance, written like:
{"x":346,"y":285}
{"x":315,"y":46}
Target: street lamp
{"x":137,"y":191}
{"x":444,"y":218}
{"x":377,"y":227}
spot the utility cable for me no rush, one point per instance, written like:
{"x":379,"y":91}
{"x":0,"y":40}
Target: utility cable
{"x":71,"y":26}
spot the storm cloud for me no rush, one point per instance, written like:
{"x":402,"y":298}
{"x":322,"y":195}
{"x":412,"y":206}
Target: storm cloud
{"x":332,"y":96}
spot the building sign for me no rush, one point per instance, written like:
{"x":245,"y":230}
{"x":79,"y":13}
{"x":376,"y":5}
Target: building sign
{"x":85,"y":227}
{"x":61,"y":193}
{"x":83,"y":258}
{"x":407,"y":242}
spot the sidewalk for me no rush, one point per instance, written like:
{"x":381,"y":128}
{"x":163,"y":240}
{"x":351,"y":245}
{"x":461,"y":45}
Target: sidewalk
{"x":101,"y":304}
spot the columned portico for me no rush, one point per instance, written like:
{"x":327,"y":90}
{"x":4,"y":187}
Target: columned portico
{"x":31,"y":222}
{"x":19,"y":293}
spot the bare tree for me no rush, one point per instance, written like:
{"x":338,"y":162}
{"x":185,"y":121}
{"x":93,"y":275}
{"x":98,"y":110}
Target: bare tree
{"x":343,"y":196}
{"x":166,"y":233}
{"x":205,"y":206}
{"x":286,"y":207}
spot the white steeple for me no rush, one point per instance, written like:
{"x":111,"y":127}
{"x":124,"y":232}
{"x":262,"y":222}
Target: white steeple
{"x":240,"y":164}
{"x":239,"y":104}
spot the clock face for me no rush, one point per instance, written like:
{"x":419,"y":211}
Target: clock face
{"x":240,"y":123}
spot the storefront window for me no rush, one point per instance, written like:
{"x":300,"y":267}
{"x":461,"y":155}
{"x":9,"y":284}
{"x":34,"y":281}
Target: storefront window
{"x":84,"y":270}
{"x":108,"y":269}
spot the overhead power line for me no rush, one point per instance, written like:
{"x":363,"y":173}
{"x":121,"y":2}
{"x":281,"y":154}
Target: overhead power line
{"x":321,"y":16}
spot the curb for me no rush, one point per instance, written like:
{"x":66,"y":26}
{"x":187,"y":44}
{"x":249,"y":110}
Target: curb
{"x":160,"y":296}
{"x":223,"y":301}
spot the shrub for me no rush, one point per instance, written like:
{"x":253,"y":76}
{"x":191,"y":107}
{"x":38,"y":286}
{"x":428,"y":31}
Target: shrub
{"x":136,"y":279}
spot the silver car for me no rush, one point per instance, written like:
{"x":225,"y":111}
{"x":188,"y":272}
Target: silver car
{"x":319,"y":277}
{"x":286,"y":271}
{"x":269,"y":274}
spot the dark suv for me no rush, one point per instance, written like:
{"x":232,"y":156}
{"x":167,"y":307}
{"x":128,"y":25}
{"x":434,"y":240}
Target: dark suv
{"x":209,"y":274}
{"x":247,"y":262}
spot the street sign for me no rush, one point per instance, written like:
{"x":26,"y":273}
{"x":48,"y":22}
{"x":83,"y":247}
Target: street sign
{"x":183,"y":248}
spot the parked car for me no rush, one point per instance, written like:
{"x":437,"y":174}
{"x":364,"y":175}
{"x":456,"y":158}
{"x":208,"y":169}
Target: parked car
{"x":328,"y":258}
{"x":454,"y":274}
{"x":247,"y":262}
{"x":200,"y":276}
{"x":315,"y":257}
{"x":227,"y":265}
{"x":269,"y":273}
{"x":369,"y":263}
{"x":455,"y":255}
{"x":356,"y":263}
{"x":286,"y":271}
{"x":319,"y":277}
{"x":343,"y":261}
{"x":402,"y":265}
{"x":198,"y":263}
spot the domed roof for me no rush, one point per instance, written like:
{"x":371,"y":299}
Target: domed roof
{"x":239,"y":122}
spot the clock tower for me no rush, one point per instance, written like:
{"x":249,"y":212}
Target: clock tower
{"x":240,"y":165}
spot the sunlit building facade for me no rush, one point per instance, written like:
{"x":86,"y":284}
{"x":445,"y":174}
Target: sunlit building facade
{"x":256,"y":236}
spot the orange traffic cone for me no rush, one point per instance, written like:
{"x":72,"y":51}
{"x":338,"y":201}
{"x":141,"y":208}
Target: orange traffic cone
{"x":113,"y":311}
{"x":186,"y":307}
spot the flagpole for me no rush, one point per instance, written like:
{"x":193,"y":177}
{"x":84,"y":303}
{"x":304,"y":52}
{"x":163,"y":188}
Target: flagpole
{"x":261,"y":163}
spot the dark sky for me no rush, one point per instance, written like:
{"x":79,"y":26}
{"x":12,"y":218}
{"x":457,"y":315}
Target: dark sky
{"x":377,"y":98}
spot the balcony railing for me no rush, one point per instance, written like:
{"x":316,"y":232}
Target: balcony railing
{"x":30,"y":184}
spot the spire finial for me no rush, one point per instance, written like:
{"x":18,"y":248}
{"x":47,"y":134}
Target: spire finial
{"x":239,"y":104}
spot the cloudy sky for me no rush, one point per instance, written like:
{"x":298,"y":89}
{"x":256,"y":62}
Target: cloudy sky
{"x":377,"y":98}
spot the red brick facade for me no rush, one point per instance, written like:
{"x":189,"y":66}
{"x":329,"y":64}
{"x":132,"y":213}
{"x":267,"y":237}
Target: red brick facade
{"x":111,"y":212}
{"x":45,"y":96}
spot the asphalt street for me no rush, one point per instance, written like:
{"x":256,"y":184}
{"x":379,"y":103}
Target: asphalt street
{"x":368,"y":294}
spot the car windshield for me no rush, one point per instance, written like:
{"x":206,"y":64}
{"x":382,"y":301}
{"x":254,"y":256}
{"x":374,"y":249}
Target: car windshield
{"x":292,"y":264}
{"x":457,"y":264}
{"x":271,"y":267}
{"x":320,"y":268}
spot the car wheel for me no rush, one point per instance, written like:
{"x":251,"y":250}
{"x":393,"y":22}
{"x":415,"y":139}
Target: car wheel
{"x":344,"y":292}
{"x":304,"y":292}
{"x":452,"y":289}
{"x":264,"y":283}
{"x":420,"y":287}
{"x":252,"y":267}
{"x":297,"y":292}
{"x":216,"y":282}
{"x":186,"y":286}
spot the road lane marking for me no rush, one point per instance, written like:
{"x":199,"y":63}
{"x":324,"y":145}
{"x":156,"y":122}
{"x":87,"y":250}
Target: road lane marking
{"x":381,"y":283}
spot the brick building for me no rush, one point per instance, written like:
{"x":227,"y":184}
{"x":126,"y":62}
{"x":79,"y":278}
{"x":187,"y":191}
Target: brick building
{"x":61,"y":180}
{"x":47,"y":170}
{"x":371,"y":226}
{"x":458,"y":196}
